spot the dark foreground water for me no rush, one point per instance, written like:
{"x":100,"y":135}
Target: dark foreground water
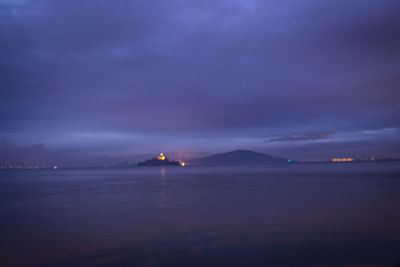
{"x":300,"y":214}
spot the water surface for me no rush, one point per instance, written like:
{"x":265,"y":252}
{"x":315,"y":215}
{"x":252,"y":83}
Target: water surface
{"x":298,"y":214}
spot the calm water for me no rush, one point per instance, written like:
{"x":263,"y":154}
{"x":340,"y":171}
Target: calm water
{"x":301,"y":214}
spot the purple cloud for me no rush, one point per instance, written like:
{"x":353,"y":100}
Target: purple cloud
{"x":138,"y":77}
{"x":304,"y":136}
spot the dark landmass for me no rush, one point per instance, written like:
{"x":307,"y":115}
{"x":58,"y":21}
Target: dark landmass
{"x":233,"y":158}
{"x":159,"y":161}
{"x":236,"y":158}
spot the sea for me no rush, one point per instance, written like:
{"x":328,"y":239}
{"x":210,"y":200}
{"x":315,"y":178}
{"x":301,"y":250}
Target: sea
{"x":300,"y":214}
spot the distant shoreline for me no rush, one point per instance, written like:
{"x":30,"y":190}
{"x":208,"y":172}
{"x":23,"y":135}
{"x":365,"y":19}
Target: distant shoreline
{"x":175,"y":166}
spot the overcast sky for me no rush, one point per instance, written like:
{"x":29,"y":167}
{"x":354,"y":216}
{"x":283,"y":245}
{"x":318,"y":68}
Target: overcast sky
{"x":91,"y":82}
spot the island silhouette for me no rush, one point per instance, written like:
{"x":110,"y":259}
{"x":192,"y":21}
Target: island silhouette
{"x":237,"y":158}
{"x":232,"y":158}
{"x":161,"y":160}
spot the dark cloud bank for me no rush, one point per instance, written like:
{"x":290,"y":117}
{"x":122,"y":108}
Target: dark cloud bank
{"x":83,"y":82}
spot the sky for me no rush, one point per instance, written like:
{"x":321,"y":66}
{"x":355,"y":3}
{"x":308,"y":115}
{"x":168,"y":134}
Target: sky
{"x":96,"y":82}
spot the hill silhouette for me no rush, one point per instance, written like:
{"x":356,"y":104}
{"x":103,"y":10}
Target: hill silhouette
{"x":237,"y":157}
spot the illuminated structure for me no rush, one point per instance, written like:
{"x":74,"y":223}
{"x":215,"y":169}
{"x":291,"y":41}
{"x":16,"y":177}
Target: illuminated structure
{"x":342,"y":159}
{"x":160,"y":160}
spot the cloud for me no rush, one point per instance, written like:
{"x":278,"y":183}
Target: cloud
{"x":304,"y":136}
{"x":385,"y":131}
{"x":183,"y":70}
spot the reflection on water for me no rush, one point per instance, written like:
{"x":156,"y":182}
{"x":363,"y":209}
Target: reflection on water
{"x":163,"y":199}
{"x":287,"y":215}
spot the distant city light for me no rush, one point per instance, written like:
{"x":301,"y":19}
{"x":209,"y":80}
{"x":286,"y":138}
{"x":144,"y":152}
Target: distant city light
{"x":182,"y":164}
{"x":342,"y":159}
{"x":55,"y":167}
{"x":289,"y":160}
